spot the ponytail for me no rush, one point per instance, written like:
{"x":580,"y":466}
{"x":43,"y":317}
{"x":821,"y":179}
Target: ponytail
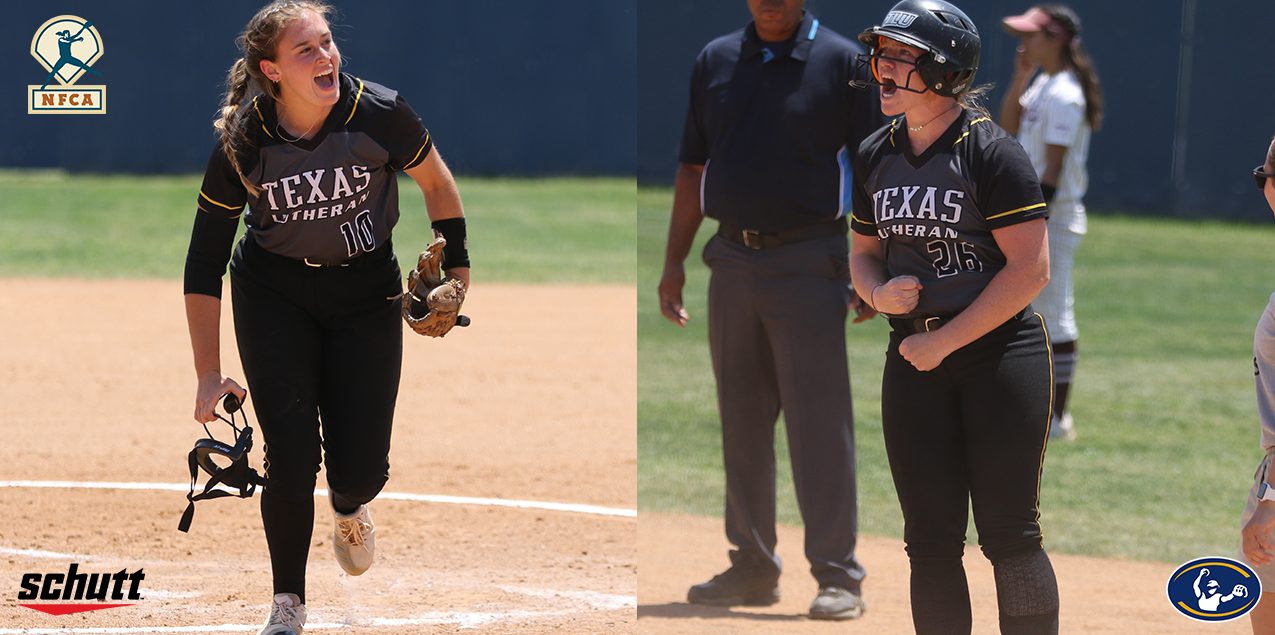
{"x":259,"y":41}
{"x":234,"y":137}
{"x":972,"y":99}
{"x":1089,"y":82}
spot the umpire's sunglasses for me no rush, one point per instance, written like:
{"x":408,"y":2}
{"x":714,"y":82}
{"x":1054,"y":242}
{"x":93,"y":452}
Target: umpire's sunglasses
{"x":1260,"y":176}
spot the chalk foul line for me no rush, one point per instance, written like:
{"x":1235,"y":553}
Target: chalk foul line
{"x":425,"y":498}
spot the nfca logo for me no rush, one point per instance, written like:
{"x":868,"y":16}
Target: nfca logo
{"x":67,"y":47}
{"x":1214,"y":589}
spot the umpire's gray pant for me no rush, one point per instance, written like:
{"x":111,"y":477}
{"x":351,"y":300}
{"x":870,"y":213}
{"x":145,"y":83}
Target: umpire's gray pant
{"x":777,"y":336}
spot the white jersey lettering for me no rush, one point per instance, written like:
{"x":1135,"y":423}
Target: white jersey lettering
{"x":340,"y":187}
{"x":360,"y":172}
{"x":927,"y":205}
{"x":887,"y":212}
{"x":956,"y":208}
{"x":316,"y":192}
{"x":288,"y":192}
{"x":908,"y":192}
{"x":269,"y":188}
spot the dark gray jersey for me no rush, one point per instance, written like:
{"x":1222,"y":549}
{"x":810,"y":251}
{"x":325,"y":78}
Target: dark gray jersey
{"x":935,"y":213}
{"x":329,"y":198}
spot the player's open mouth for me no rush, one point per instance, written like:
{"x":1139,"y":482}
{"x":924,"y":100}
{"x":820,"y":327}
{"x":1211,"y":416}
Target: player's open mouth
{"x":888,"y":87}
{"x":326,"y":79}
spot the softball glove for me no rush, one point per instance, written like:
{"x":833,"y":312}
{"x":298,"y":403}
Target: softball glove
{"x":431,"y":305}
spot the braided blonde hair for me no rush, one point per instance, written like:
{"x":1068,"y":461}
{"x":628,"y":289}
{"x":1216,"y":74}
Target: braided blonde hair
{"x":259,"y":41}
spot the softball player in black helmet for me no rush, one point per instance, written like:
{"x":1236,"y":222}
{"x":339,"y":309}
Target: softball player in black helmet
{"x":311,"y":164}
{"x":949,"y":240}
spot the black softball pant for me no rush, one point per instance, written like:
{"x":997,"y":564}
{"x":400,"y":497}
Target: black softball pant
{"x":971,"y":432}
{"x":322,"y":351}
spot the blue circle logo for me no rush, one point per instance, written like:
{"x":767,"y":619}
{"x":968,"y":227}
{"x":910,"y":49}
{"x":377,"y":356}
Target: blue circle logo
{"x":1214,"y":589}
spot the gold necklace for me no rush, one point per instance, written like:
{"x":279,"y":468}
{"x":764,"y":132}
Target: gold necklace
{"x":278,"y":127}
{"x":918,"y":128}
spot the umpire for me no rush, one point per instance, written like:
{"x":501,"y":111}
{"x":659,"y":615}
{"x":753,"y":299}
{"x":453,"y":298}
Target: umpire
{"x":772,"y":127}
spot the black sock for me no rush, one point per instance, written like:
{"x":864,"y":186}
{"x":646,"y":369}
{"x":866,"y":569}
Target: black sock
{"x":940,"y":598}
{"x":343,"y":505}
{"x":1065,"y":356}
{"x":289,"y":525}
{"x":1060,"y":398}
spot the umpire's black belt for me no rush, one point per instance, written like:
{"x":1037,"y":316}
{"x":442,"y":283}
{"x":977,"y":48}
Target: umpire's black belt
{"x":912,"y":326}
{"x":756,"y":240}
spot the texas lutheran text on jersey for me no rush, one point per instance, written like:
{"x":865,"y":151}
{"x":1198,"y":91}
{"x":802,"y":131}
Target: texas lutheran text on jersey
{"x":330,"y":197}
{"x":935,"y":213}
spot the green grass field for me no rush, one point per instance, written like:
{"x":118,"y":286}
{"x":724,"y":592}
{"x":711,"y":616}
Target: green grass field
{"x":1163,"y":399}
{"x":565,"y":230}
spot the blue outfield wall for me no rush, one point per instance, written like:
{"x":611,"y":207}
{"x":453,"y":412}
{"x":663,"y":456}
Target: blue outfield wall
{"x":1157,"y":154}
{"x":505,"y":86}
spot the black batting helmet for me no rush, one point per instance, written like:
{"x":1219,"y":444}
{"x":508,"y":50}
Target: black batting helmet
{"x":948,"y":37}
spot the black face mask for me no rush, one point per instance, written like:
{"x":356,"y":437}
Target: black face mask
{"x":235,"y":475}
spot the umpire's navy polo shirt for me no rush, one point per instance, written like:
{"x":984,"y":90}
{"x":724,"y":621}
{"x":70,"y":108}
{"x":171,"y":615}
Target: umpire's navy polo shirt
{"x":776,"y":126}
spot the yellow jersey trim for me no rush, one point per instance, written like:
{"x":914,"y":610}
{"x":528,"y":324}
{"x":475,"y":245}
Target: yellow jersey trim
{"x":356,"y":102}
{"x":201,"y":193}
{"x":967,"y":132}
{"x":418,"y":152}
{"x":1015,"y":211}
{"x":262,"y":118}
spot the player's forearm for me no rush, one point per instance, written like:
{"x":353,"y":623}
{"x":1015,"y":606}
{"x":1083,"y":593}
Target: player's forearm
{"x":687,"y":215}
{"x":867,"y":266}
{"x":867,"y":273}
{"x":444,"y":202}
{"x":203,"y":318}
{"x":459,"y":272}
{"x":442,"y":197}
{"x":1011,"y":110}
{"x":1012,"y":289}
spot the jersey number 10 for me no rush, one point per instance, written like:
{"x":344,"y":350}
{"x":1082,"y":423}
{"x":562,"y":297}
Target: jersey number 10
{"x":358,"y":234}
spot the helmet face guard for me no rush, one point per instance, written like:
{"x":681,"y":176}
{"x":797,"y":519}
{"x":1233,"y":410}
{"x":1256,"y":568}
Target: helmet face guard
{"x":947,"y":38}
{"x":871,"y":60}
{"x":209,"y":454}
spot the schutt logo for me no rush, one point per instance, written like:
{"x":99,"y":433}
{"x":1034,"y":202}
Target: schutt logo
{"x":74,"y":585}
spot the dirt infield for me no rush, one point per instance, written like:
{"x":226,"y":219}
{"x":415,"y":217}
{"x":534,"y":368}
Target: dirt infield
{"x":96,"y":384}
{"x":1098,"y":596}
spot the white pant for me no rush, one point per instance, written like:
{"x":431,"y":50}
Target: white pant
{"x":1056,"y":302}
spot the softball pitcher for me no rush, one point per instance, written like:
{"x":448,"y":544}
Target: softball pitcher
{"x":949,"y":237}
{"x":309,"y":158}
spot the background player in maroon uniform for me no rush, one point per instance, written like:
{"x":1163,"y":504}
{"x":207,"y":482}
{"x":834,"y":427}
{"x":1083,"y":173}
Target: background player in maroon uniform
{"x":949,"y":242}
{"x":311,"y":164}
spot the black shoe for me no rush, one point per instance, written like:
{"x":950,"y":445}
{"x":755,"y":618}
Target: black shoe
{"x":744,"y":584}
{"x":836,"y":603}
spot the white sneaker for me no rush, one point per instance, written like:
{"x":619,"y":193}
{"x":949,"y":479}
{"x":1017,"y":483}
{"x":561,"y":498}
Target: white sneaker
{"x":1062,"y":428}
{"x":287,"y":616}
{"x":354,"y":540}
